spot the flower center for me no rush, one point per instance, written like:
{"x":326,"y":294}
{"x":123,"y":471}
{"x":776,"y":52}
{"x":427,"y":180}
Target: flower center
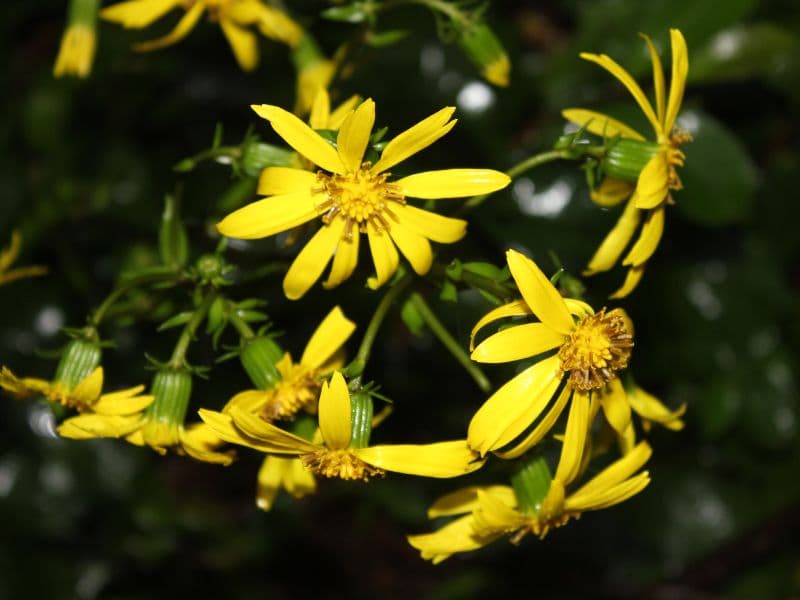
{"x":298,"y":389}
{"x":675,"y":157}
{"x":360,"y":197}
{"x":599,"y":346}
{"x":340,"y":463}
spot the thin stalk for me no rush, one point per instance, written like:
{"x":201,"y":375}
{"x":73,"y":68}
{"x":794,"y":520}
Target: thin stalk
{"x":97,"y":316}
{"x":178,"y":358}
{"x":449,"y":342}
{"x":245,"y":331}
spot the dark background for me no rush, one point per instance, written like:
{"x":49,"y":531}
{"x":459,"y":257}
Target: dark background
{"x":83,"y":173}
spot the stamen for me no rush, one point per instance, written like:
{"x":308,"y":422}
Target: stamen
{"x":340,"y":463}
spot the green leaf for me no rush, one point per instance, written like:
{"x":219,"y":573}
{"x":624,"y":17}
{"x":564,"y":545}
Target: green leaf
{"x":176,"y":321}
{"x":173,"y":243}
{"x":350,"y":13}
{"x":449,"y":291}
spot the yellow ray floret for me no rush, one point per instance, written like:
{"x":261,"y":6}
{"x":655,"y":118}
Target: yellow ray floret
{"x":7,"y":258}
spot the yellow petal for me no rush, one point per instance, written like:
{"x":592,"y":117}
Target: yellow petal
{"x":248,"y":400}
{"x":616,"y":472}
{"x":331,"y":335}
{"x":542,"y":428}
{"x":648,"y":240}
{"x":268,"y":439}
{"x":320,"y":110}
{"x":182,"y":29}
{"x":677,"y":84}
{"x":335,"y":421}
{"x":354,"y":135}
{"x":517,"y":342}
{"x":312,"y":260}
{"x":136,"y":14}
{"x":414,"y":247}
{"x":415,"y":138}
{"x":340,"y":113}
{"x":458,"y":536}
{"x":616,"y":408}
{"x":276,"y":181}
{"x":542,"y":297}
{"x":452,"y":183}
{"x":345,"y":257}
{"x":88,"y":390}
{"x":600,"y":124}
{"x":270,"y":477}
{"x":493,"y":515}
{"x":90,"y":426}
{"x":200,"y":442}
{"x":611,"y":192}
{"x":430,"y":225}
{"x":581,"y":501}
{"x":649,"y":407}
{"x":311,"y":78}
{"x":466,"y":500}
{"x":653,"y":183}
{"x":574,"y":439}
{"x":301,"y":137}
{"x":513,"y":407}
{"x":122,"y":403}
{"x":299,"y":481}
{"x":658,"y":79}
{"x":384,"y":256}
{"x":611,"y":248}
{"x":441,"y":460}
{"x":629,"y":82}
{"x":269,"y":216}
{"x":278,"y":26}
{"x":512,"y":309}
{"x":242,"y":42}
{"x":632,"y":279}
{"x":9,"y":255}
{"x":578,"y":308}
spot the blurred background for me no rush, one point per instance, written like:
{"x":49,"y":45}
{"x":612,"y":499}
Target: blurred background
{"x":83,"y":174}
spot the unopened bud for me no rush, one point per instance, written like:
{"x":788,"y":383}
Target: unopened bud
{"x":172,"y":389}
{"x":80,"y":357}
{"x":259,"y":357}
{"x":625,"y":158}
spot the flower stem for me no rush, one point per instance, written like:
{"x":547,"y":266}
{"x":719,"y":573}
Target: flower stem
{"x":245,"y":331}
{"x":449,"y":342}
{"x":178,"y":358}
{"x":99,"y":314}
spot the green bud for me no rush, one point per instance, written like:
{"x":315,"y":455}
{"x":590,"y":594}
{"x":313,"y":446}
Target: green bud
{"x":483,"y":48}
{"x":173,"y":243}
{"x":626,"y":158}
{"x":172,"y":389}
{"x":259,"y":357}
{"x":361,"y":410}
{"x":80,"y":357}
{"x":531,"y":482}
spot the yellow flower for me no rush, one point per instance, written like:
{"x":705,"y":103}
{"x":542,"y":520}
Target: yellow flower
{"x":590,"y":349}
{"x":196,"y":440}
{"x":81,"y":397}
{"x":233,"y":16}
{"x":494,"y":512}
{"x":300,"y":382}
{"x":336,"y":455}
{"x":651,"y":193}
{"x":353,"y":196}
{"x":7,"y":258}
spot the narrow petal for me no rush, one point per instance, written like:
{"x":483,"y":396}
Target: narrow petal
{"x":270,"y":477}
{"x":574,"y":440}
{"x":444,"y":230}
{"x":649,"y":407}
{"x":517,"y":342}
{"x":269,"y":216}
{"x":339,"y":114}
{"x":335,"y":421}
{"x":320,"y":110}
{"x":502,"y":417}
{"x":632,"y":279}
{"x":242,"y":42}
{"x":312,"y":260}
{"x":415,"y":138}
{"x":600,"y":124}
{"x":354,"y":135}
{"x":137,"y":14}
{"x":276,"y":181}
{"x":457,"y":536}
{"x":299,"y":481}
{"x":9,"y":255}
{"x":122,"y":404}
{"x":604,"y":498}
{"x":200,"y":442}
{"x":331,"y":335}
{"x":268,"y":438}
{"x":611,"y":248}
{"x":611,"y":192}
{"x":578,"y":308}
{"x":653,"y":183}
{"x":542,"y":428}
{"x":452,"y":183}
{"x":301,"y":137}
{"x":516,"y":308}
{"x":618,"y":471}
{"x":88,"y":390}
{"x":345,"y":257}
{"x":616,"y":407}
{"x":630,"y":83}
{"x":248,"y":400}
{"x":84,"y":427}
{"x":278,"y":26}
{"x":384,"y":256}
{"x":441,"y":460}
{"x":658,"y":79}
{"x":648,"y":240}
{"x":542,"y":297}
{"x":466,"y":500}
{"x":677,"y":84}
{"x":182,"y":29}
{"x":414,"y":247}
{"x":494,"y":515}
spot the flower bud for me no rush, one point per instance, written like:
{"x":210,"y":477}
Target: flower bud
{"x":361,"y":410}
{"x":259,"y":357}
{"x":80,"y":357}
{"x":625,"y":158}
{"x":483,"y":48}
{"x":171,"y":389}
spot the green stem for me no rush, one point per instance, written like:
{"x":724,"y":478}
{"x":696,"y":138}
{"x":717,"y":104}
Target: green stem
{"x":446,"y":8}
{"x":178,"y":358}
{"x":449,"y":342}
{"x":97,"y":316}
{"x":356,"y":368}
{"x":245,"y":331}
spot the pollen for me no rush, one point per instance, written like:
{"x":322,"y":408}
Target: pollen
{"x":599,"y":346}
{"x":360,"y":197}
{"x":340,"y":463}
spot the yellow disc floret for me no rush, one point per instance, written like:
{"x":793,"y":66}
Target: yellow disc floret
{"x":340,"y":463}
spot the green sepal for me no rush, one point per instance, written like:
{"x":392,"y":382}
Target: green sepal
{"x":625,"y":158}
{"x":361,"y":413}
{"x":176,"y":320}
{"x":259,"y":357}
{"x":80,"y":357}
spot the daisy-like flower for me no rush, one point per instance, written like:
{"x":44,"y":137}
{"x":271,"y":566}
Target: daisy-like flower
{"x":649,"y":188}
{"x":494,"y":512}
{"x":7,"y":258}
{"x":78,"y":44}
{"x":337,"y":454}
{"x":235,"y":17}
{"x":353,"y":197}
{"x":586,"y":351}
{"x":300,"y":383}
